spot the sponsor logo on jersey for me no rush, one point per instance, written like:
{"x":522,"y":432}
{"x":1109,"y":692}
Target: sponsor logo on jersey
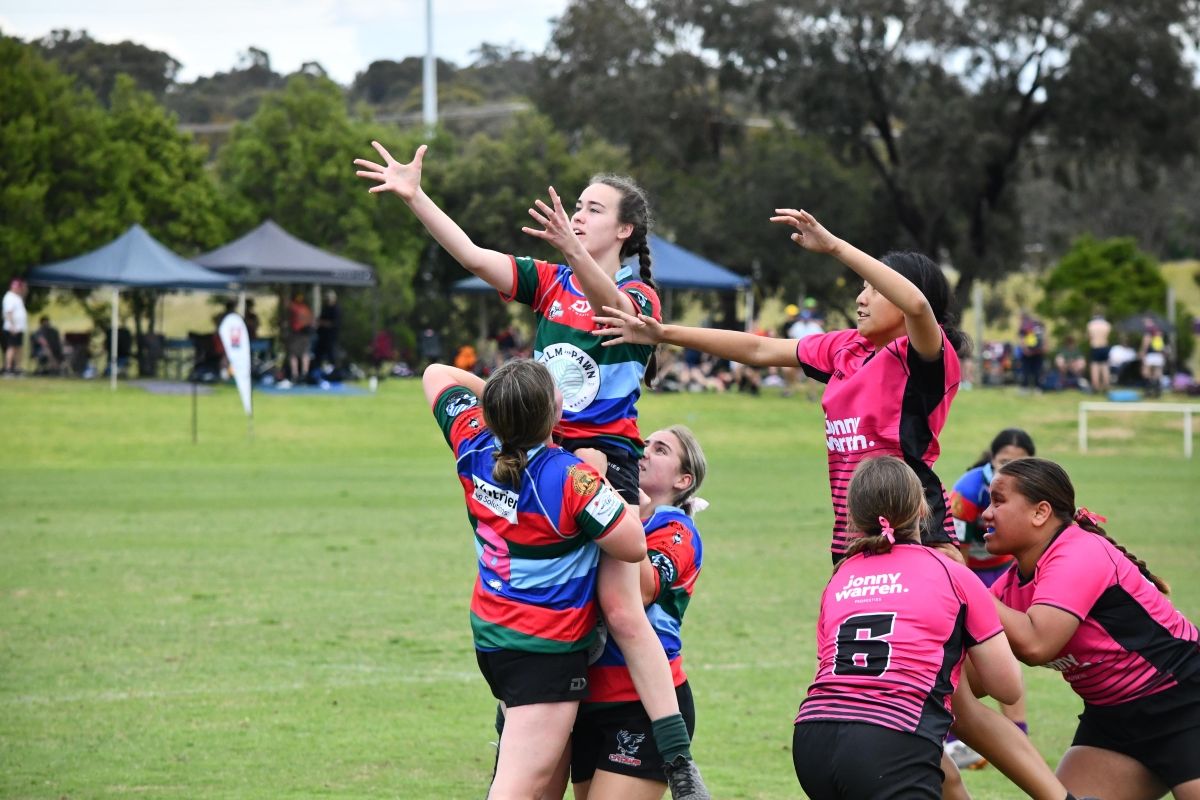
{"x":473,"y":423}
{"x":581,"y":307}
{"x":627,"y":747}
{"x":576,"y":374}
{"x":582,"y":482}
{"x":861,"y":586}
{"x":500,"y":501}
{"x":1067,"y":663}
{"x":461,"y":403}
{"x":842,"y":435}
{"x":604,"y":506}
{"x":555,"y":311}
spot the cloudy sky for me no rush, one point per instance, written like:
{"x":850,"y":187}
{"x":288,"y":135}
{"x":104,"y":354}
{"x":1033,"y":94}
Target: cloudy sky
{"x":345,"y":36}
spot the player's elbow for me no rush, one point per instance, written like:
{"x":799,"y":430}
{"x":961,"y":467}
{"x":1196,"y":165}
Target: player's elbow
{"x":627,"y":542}
{"x":1009,"y":686}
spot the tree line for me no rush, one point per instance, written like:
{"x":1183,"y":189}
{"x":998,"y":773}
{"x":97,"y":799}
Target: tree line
{"x":970,"y":130}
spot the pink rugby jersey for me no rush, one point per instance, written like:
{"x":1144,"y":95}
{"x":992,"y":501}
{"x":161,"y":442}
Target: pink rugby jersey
{"x":1130,"y":643}
{"x":882,"y":403}
{"x":891,"y":638}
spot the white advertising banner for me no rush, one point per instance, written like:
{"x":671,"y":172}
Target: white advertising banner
{"x":236,"y":341}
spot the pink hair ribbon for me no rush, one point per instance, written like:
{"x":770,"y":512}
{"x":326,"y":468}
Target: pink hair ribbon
{"x":1092,"y":517}
{"x":885,"y":530}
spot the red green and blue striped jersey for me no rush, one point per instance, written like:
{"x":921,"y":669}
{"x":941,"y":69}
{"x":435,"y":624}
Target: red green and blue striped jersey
{"x":600,"y":385}
{"x":536,"y":543}
{"x":676,"y":553}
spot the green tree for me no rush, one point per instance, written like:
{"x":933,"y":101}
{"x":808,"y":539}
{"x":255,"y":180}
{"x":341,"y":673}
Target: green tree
{"x":1110,"y":273}
{"x":96,"y":65}
{"x":57,"y":176}
{"x":943,"y":98}
{"x":293,"y":162}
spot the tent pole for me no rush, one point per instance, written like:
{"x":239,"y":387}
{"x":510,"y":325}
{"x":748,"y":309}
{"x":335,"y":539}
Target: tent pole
{"x":316,"y":304}
{"x":241,"y":307}
{"x":112,"y":367}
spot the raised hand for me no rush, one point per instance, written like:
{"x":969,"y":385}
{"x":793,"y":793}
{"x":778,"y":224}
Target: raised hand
{"x":556,"y":224}
{"x":392,"y":176}
{"x":810,"y":234}
{"x":626,"y":328}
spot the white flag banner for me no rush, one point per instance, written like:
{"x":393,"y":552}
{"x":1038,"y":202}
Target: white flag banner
{"x":236,"y":341}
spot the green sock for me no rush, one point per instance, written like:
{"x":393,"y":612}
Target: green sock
{"x":671,"y":737}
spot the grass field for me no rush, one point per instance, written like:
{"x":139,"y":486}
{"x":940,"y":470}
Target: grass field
{"x":286,"y":617}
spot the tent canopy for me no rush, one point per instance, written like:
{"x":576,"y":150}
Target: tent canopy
{"x":135,"y":258}
{"x":269,"y":254}
{"x":674,"y":268}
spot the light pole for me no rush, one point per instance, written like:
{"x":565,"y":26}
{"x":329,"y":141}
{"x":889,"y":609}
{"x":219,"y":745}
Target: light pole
{"x":429,"y":105}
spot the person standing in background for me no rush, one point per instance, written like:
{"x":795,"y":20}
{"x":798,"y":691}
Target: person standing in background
{"x":15,"y":322}
{"x":300,"y":326}
{"x":1098,"y":331}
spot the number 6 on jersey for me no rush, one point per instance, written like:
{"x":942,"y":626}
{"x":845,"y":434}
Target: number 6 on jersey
{"x":861,"y":648}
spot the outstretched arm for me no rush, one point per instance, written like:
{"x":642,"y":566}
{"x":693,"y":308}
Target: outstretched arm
{"x":923,"y":332}
{"x":405,"y":181}
{"x":598,"y":287}
{"x":746,"y":348}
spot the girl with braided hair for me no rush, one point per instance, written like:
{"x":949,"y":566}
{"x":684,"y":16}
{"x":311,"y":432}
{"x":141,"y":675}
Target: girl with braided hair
{"x":541,"y":516}
{"x":1079,"y":602}
{"x":600,"y":386}
{"x":897,"y":621}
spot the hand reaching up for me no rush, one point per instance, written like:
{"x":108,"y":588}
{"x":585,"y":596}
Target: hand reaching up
{"x":555,"y":222}
{"x":392,"y":176}
{"x":810,"y":234}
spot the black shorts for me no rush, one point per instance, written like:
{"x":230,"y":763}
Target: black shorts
{"x":1161,"y":731}
{"x":616,"y":737}
{"x":622,"y":465}
{"x":17,"y":339}
{"x":850,"y":760}
{"x":1099,"y":354}
{"x":524,"y":679}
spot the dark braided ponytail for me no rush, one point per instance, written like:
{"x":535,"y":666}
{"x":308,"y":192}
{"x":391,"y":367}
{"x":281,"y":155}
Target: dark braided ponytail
{"x":1040,"y":480}
{"x":519,"y":408}
{"x":634,"y":210}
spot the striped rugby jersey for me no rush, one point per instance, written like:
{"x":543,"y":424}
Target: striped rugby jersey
{"x":968,"y":499}
{"x":536,"y":545}
{"x":600,"y":385}
{"x":891,"y":638}
{"x":889,"y":402}
{"x":1130,"y":643}
{"x":676,"y":553}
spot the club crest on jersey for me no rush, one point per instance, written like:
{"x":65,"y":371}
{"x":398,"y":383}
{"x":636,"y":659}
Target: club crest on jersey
{"x":582,"y":481}
{"x":640,"y":299}
{"x":500,"y":501}
{"x":576,"y":374}
{"x":461,"y":404}
{"x":581,"y":306}
{"x":555,"y":311}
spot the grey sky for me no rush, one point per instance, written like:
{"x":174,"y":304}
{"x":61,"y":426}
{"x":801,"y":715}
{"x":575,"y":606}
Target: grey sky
{"x":343,"y":35}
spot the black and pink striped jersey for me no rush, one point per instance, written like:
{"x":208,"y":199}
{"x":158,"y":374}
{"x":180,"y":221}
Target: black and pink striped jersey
{"x":891,"y":638}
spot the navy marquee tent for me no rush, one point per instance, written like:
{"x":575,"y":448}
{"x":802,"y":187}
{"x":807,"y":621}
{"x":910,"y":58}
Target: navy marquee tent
{"x":269,"y":254}
{"x":134,"y":259}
